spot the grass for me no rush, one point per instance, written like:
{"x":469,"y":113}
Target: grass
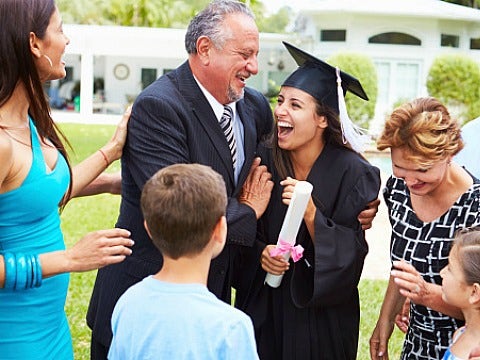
{"x":83,"y":215}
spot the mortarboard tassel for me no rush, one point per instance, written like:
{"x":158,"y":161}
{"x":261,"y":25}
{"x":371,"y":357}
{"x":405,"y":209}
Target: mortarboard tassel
{"x":353,"y":134}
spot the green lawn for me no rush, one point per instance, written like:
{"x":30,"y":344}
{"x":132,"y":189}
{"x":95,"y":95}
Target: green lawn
{"x":87,"y":214}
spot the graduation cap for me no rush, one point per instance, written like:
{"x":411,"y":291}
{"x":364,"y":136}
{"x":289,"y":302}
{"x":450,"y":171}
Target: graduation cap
{"x":328,"y":85}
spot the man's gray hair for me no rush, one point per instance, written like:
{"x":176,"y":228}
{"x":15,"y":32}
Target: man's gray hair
{"x":208,"y":23}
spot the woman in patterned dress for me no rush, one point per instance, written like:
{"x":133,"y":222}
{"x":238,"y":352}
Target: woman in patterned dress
{"x":428,"y":197}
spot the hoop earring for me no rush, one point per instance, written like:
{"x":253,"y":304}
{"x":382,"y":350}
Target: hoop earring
{"x":49,"y":60}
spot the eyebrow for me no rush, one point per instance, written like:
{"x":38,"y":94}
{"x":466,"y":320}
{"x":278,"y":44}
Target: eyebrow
{"x":416,"y":169}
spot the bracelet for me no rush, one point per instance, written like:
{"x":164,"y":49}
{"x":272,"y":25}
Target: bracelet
{"x":29,"y":272}
{"x":104,"y":157}
{"x":22,"y":271}
{"x":38,"y":271}
{"x":10,"y":271}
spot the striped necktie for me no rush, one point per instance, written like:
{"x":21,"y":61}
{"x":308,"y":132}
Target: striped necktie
{"x":227,"y":127}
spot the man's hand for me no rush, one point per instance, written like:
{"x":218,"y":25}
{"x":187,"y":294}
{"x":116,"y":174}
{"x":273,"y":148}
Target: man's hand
{"x":257,"y":188}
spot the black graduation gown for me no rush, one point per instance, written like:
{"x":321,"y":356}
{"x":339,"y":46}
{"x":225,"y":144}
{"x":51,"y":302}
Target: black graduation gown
{"x":314,"y":313}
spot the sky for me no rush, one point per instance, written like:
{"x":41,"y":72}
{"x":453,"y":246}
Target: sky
{"x":273,"y":5}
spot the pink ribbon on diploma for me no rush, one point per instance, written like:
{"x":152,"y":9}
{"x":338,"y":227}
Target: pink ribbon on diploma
{"x":283,"y":247}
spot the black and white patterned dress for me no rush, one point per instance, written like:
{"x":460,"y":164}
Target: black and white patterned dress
{"x":426,"y":247}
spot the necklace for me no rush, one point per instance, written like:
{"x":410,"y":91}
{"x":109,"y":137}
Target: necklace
{"x":7,"y":129}
{"x":3,"y":127}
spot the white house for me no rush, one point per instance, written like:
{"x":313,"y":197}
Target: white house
{"x":402,"y":38}
{"x":127,"y":59}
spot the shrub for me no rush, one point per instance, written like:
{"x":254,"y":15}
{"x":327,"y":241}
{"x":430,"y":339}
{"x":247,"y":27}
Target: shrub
{"x":361,"y":67}
{"x":454,"y":79}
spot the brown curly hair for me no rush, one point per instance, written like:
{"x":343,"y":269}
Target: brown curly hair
{"x":425,"y":127}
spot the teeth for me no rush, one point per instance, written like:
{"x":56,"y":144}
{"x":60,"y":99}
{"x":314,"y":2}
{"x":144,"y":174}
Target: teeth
{"x":284,"y":124}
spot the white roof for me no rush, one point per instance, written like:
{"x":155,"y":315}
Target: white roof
{"x":124,"y":40}
{"x":412,"y":8}
{"x":139,"y":41}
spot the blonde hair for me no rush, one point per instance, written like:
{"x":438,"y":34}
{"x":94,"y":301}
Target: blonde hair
{"x":425,"y":128}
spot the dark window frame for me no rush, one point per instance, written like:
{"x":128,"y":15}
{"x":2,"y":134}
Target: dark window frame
{"x":333,"y":35}
{"x":394,"y":38}
{"x":475,"y":43}
{"x":450,"y":40}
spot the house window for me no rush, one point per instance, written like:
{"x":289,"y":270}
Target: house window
{"x":450,"y":41}
{"x":333,"y":35}
{"x":407,"y":79}
{"x":475,"y":44}
{"x":398,"y":81}
{"x":148,"y":77}
{"x":395,"y":38}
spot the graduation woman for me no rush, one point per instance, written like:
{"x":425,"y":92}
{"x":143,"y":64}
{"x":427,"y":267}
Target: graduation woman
{"x":314,"y":313}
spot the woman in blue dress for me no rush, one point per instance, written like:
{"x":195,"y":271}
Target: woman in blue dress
{"x":429,"y":197}
{"x":35,"y":179}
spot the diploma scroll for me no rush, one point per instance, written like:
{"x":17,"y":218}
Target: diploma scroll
{"x":291,"y":224}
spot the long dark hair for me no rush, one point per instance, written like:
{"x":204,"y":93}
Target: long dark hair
{"x":18,"y":18}
{"x":332,"y":135}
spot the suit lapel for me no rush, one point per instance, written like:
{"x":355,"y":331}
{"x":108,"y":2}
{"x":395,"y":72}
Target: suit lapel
{"x":249,"y":140}
{"x":203,"y":113}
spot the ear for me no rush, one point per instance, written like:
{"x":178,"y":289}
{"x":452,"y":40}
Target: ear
{"x":35,"y":45}
{"x":474,"y":298}
{"x":219,"y":235}
{"x":204,"y":45}
{"x":146,"y":228}
{"x":321,"y":120}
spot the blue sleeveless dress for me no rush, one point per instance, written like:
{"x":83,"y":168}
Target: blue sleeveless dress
{"x":33,"y":324}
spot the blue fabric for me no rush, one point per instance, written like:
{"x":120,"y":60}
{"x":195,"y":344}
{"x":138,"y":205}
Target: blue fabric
{"x":159,"y":320}
{"x":33,"y":323}
{"x":448,"y":354}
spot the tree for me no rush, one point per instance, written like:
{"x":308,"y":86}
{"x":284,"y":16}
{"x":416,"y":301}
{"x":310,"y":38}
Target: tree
{"x":361,"y":67}
{"x":149,"y":13}
{"x":453,"y":79}
{"x":275,"y":23}
{"x":157,"y":13}
{"x":82,"y":11}
{"x":470,"y":3}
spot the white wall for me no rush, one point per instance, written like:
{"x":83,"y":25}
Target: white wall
{"x":100,"y":48}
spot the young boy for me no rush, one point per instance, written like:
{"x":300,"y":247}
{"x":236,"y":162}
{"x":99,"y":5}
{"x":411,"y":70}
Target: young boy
{"x":172,"y":315}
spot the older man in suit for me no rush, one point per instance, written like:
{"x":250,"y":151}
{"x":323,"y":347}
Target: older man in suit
{"x":179,"y":119}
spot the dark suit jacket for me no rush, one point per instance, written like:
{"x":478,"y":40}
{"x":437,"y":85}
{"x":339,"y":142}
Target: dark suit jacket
{"x":172,"y":122}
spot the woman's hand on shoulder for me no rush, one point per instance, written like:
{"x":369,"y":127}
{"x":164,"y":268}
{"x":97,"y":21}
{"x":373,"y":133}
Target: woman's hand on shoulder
{"x":114,"y":148}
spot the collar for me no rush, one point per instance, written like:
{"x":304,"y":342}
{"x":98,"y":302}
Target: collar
{"x":216,"y":106}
